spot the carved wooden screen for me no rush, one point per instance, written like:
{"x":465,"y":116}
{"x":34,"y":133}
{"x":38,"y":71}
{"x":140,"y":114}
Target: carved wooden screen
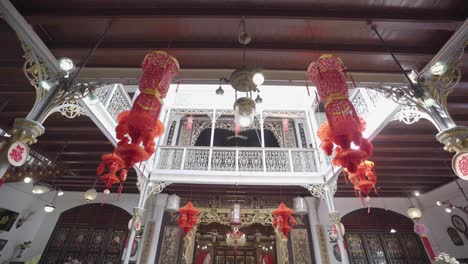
{"x":383,"y":248}
{"x":90,"y":233}
{"x":369,"y":240}
{"x":170,"y":241}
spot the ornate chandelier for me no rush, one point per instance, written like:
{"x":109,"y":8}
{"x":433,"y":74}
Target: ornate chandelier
{"x":245,"y":79}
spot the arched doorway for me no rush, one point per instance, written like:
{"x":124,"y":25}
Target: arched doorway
{"x":91,"y":233}
{"x":382,"y":236}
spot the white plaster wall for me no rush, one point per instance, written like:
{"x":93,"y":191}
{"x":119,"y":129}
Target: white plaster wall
{"x":434,"y":217}
{"x":18,"y":197}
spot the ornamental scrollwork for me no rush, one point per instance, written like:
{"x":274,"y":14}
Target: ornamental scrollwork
{"x":248,"y":216}
{"x":35,"y":70}
{"x":440,"y":86}
{"x":409,"y":115}
{"x":318,"y":190}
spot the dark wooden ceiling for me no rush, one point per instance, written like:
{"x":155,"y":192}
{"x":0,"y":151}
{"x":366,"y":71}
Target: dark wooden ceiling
{"x":287,"y":35}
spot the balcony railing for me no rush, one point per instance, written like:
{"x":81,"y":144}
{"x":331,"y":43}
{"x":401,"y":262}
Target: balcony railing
{"x":225,"y":159}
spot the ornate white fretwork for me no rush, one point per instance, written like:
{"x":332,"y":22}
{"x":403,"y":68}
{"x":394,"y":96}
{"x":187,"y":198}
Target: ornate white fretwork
{"x":409,"y":115}
{"x":118,"y":103}
{"x":318,"y":190}
{"x":71,"y":109}
{"x":237,"y":159}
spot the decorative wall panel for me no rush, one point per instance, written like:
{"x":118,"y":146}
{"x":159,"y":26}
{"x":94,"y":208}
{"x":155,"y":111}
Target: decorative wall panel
{"x":300,"y":246}
{"x":170,"y":245}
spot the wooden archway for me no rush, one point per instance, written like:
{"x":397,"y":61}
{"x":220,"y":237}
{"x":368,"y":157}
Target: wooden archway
{"x":369,"y":238}
{"x":91,"y":233}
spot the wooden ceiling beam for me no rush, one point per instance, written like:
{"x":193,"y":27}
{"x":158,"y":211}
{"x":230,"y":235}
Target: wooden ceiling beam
{"x":254,"y":46}
{"x":40,"y":14}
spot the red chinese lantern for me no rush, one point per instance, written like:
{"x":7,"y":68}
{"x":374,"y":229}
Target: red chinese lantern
{"x":188,"y":217}
{"x":344,"y":126}
{"x":285,"y":123}
{"x":364,"y":179}
{"x":113,"y":164}
{"x":283,"y":219}
{"x":189,"y":125}
{"x":138,"y":127}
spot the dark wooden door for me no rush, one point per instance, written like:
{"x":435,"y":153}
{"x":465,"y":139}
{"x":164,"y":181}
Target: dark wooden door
{"x":91,"y":234}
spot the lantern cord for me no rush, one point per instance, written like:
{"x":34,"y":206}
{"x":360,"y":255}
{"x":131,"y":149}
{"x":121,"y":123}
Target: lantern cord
{"x":416,"y":89}
{"x":461,"y":189}
{"x":101,"y":38}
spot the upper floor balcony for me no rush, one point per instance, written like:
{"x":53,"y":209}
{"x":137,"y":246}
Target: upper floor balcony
{"x":280,"y":147}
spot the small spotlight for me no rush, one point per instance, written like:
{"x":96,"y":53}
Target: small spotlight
{"x":60,"y":193}
{"x":66,"y":64}
{"x":439,"y":68}
{"x":258,"y":78}
{"x":393,"y":231}
{"x":220,"y":90}
{"x":417,"y":193}
{"x":258,"y":100}
{"x":448,"y":210}
{"x":271,"y":247}
{"x":27,"y":179}
{"x":46,"y":85}
{"x":428,"y":101}
{"x":49,"y":208}
{"x":439,"y":203}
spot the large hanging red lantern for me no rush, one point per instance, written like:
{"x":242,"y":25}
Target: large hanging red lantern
{"x":188,"y":217}
{"x":138,"y":127}
{"x":344,"y":126}
{"x":283,"y":219}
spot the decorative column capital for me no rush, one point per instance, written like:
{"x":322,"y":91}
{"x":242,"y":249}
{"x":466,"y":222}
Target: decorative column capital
{"x":26,"y":130}
{"x":137,"y":211}
{"x":335,"y":217}
{"x":454,"y":139}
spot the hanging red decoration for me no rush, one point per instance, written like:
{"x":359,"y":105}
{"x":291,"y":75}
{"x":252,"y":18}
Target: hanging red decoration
{"x":235,"y":238}
{"x":237,"y":128}
{"x":188,"y":217}
{"x":364,"y":179}
{"x":283,"y":219}
{"x":138,"y":127}
{"x":344,"y":126}
{"x":285,"y":123}
{"x":113,"y":164}
{"x":189,"y":125}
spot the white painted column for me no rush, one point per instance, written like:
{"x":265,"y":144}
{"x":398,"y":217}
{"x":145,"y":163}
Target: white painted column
{"x":335,"y":220}
{"x":262,"y":138}
{"x":314,"y":221}
{"x":155,"y":218}
{"x":213,"y":126}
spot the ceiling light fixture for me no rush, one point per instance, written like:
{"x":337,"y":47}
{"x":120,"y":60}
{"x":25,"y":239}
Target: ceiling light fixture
{"x":27,"y":179}
{"x":66,"y":64}
{"x":414,"y":213}
{"x":41,"y":187}
{"x":220,"y":90}
{"x":417,"y":193}
{"x":60,"y":192}
{"x":439,"y":68}
{"x":448,"y":210}
{"x":48,"y":208}
{"x":393,"y":231}
{"x":90,"y":195}
{"x":245,"y":79}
